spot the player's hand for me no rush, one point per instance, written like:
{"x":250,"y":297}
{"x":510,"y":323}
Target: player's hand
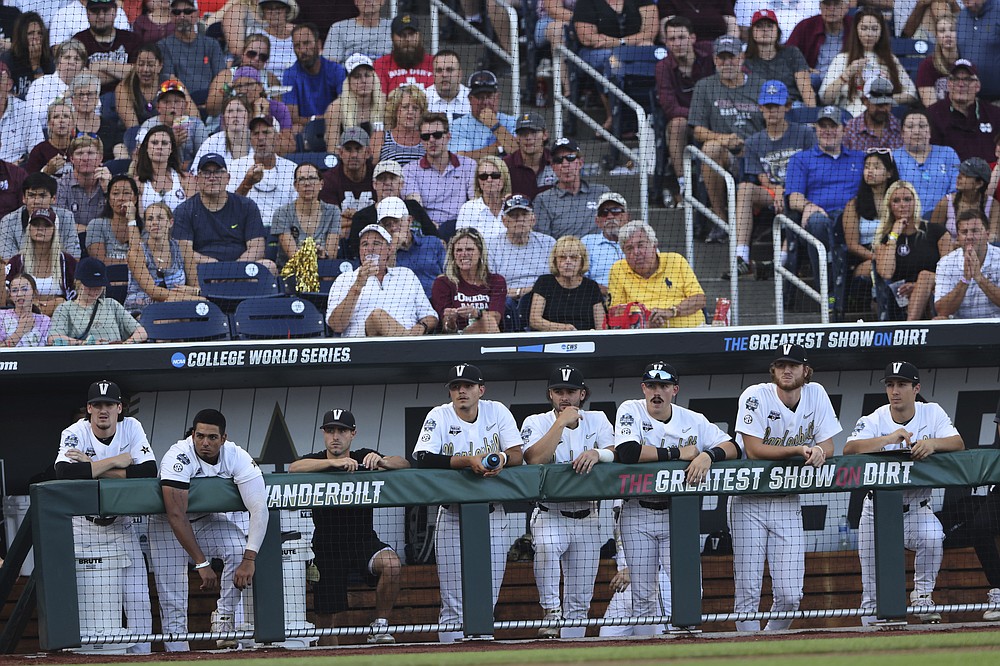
{"x":698,"y":468}
{"x":373,"y":460}
{"x":921,"y":449}
{"x":569,"y":417}
{"x":477,"y":467}
{"x":586,"y":461}
{"x":347,"y":464}
{"x":902,"y":436}
{"x":244,"y":574}
{"x":209,"y":580}
{"x":814,"y":455}
{"x":620,"y":581}
{"x":76,"y":455}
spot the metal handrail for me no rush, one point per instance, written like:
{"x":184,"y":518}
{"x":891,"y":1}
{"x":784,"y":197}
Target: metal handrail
{"x":513,"y":58}
{"x":729,"y":226}
{"x":644,"y":158}
{"x":781,"y":273}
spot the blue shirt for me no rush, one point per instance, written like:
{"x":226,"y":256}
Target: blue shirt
{"x":979,"y":41}
{"x":223,"y":234}
{"x":425,"y":257}
{"x":933,"y":179}
{"x":603,"y":254}
{"x":313,"y":93}
{"x":827,"y":181}
{"x":468,"y":134}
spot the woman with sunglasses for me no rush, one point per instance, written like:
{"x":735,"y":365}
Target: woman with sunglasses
{"x":239,"y":21}
{"x":157,"y":170}
{"x":42,"y":256}
{"x":255,"y":53}
{"x":21,"y":326}
{"x":49,"y":156}
{"x":155,"y":263}
{"x":108,"y":235}
{"x":71,"y":59}
{"x":565,"y":300}
{"x":492,"y":186}
{"x":135,"y":96}
{"x":402,"y":141}
{"x":468,"y":298}
{"x":155,"y":22}
{"x":861,"y":215}
{"x":361,"y":104}
{"x":307,"y":217}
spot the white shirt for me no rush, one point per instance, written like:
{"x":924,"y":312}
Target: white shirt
{"x":42,"y":92}
{"x":477,"y":214}
{"x":633,"y":423}
{"x":455,"y":108}
{"x":445,"y":433}
{"x":274,"y":190}
{"x":400,"y":294}
{"x":72,"y":18}
{"x":19,"y":132}
{"x":976,"y":304}
{"x":216,"y":143}
{"x":181,"y":464}
{"x":129,"y":437}
{"x":762,"y":414}
{"x":929,"y":422}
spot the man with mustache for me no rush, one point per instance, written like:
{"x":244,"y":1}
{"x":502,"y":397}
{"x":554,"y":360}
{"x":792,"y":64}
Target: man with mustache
{"x":407,"y":64}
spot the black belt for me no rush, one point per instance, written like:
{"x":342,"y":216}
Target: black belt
{"x":906,"y":507}
{"x":447,"y":507}
{"x":575,"y":515}
{"x":655,"y":506}
{"x":101,"y":522}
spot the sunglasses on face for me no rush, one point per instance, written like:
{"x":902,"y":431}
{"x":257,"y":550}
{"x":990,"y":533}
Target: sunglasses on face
{"x":495,"y":175}
{"x":654,"y":376}
{"x":426,"y":136}
{"x":185,"y":12}
{"x":569,"y":157}
{"x":879,"y":151}
{"x":92,"y":135}
{"x":250,"y":53}
{"x":617,"y":210}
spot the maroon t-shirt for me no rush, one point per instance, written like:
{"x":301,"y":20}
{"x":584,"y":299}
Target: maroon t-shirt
{"x":446,"y":294}
{"x":40,"y":156}
{"x":11,"y":179}
{"x":122,"y":49}
{"x":340,"y":190}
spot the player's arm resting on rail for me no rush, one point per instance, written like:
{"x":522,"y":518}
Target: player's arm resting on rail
{"x":701,"y":461}
{"x":115,"y":467}
{"x":175,"y":504}
{"x":254,"y":496}
{"x":815,"y":455}
{"x":428,"y":460}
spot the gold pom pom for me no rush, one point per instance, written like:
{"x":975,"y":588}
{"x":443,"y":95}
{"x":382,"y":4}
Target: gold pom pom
{"x":303,"y":265}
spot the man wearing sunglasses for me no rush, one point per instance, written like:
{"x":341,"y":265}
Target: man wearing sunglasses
{"x":568,"y":208}
{"x":109,"y":49}
{"x":189,"y":55}
{"x":603,"y":247}
{"x":521,"y":254}
{"x":484,"y":131}
{"x":877,"y":127}
{"x":440,"y":180}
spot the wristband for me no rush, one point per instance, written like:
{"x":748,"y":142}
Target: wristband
{"x":504,"y":457}
{"x":605,"y":456}
{"x":965,"y":280}
{"x":893,"y":236}
{"x":717,"y":454}
{"x":133,"y":223}
{"x":206,"y":563}
{"x":664,"y":455}
{"x":495,"y":127}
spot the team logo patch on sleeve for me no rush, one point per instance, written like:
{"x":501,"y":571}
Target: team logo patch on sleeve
{"x":178,"y":467}
{"x":858,"y":428}
{"x":71,"y":441}
{"x":752,"y":404}
{"x":626,"y":420}
{"x":429,"y":425}
{"x":526,"y":435}
{"x":426,"y":437}
{"x":748,"y":419}
{"x":626,"y":431}
{"x":183,"y":459}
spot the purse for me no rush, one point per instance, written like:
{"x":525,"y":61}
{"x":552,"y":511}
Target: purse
{"x":626,"y":316}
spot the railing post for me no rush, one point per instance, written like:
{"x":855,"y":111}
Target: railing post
{"x":685,"y":561}
{"x":477,"y":570}
{"x":890,"y":563}
{"x":268,"y":585}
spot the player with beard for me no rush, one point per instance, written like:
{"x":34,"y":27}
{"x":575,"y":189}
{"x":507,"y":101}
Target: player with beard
{"x":407,"y":64}
{"x":786,"y":418}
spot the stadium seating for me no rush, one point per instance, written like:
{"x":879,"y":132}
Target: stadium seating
{"x":189,"y":321}
{"x":228,"y":282}
{"x":283,"y":317}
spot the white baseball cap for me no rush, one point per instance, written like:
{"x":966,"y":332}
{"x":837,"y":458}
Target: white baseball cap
{"x":379,"y":229}
{"x":391,"y":207}
{"x":358,"y":60}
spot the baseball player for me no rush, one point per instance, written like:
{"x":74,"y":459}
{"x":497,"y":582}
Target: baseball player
{"x":567,"y":532}
{"x":649,"y":430}
{"x":460,"y":435}
{"x":179,"y":537}
{"x":786,"y":418}
{"x":345,"y":538}
{"x":101,"y":447}
{"x":922,"y":429}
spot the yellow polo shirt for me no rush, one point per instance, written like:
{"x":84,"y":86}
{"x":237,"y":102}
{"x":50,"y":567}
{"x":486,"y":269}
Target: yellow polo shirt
{"x":672,"y":282}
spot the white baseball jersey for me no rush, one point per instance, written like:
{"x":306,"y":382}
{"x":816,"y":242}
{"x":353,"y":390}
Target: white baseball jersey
{"x":929,"y":422}
{"x":443,"y":432}
{"x":129,"y":436}
{"x":762,"y":414}
{"x":182,"y":464}
{"x":685,"y":427}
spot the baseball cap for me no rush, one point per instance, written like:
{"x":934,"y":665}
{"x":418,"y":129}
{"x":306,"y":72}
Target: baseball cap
{"x":975,"y":167}
{"x":267,"y":120}
{"x":793,"y":353}
{"x":515,"y":202}
{"x":379,"y":229}
{"x":728,"y":44}
{"x":92,"y":272}
{"x":104,"y":391}
{"x":773,"y":92}
{"x":613,"y":197}
{"x":567,"y":144}
{"x":831,"y":113}
{"x":193,"y":3}
{"x":530,"y":120}
{"x":566,"y":377}
{"x":170,"y":86}
{"x":354,"y":135}
{"x":391,"y":207}
{"x":358,"y":60}
{"x":404,"y":21}
{"x":964,"y":63}
{"x":46,"y":214}
{"x":387,"y":166}
{"x":465,"y":373}
{"x":879,"y":90}
{"x":212,"y":158}
{"x":660,"y":372}
{"x":246,"y":73}
{"x":339,"y":417}
{"x":902,"y":370}
{"x":763,"y":15}
{"x":483,"y":81}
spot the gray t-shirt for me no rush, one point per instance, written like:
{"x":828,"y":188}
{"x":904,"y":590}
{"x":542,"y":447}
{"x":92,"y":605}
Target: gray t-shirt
{"x":727,"y":110}
{"x":781,"y":68}
{"x":195,"y":64}
{"x":767,"y":156}
{"x":521,"y":265}
{"x":828,"y":51}
{"x":112,"y":322}
{"x":561,"y":213}
{"x":286,"y":221}
{"x":347,"y":38}
{"x":12,"y":232}
{"x":99,"y":231}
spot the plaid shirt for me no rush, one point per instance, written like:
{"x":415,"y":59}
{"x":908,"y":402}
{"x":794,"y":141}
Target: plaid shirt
{"x":857,"y":136}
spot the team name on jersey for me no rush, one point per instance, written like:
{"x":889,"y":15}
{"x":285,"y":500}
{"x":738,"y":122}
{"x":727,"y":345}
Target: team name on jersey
{"x":490,"y":445}
{"x":800,"y":439}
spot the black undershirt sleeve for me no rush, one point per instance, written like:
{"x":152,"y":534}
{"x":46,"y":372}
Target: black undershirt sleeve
{"x":146,"y":470}
{"x":78,"y":470}
{"x":428,"y":460}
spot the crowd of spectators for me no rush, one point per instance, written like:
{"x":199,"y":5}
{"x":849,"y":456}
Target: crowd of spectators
{"x":171,"y":137}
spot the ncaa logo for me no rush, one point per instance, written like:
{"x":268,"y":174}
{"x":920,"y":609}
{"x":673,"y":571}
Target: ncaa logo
{"x":178,"y":360}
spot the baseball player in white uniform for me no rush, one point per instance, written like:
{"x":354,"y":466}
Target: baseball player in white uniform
{"x":923,"y":429}
{"x":784,"y":419}
{"x":101,"y":447}
{"x":567,"y":533}
{"x":460,"y":435}
{"x":178,"y":537}
{"x":650,"y":430}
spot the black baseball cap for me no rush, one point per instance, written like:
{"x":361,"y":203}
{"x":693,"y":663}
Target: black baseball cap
{"x":340,"y":418}
{"x":793,"y":353}
{"x":902,"y":370}
{"x":104,"y":391}
{"x":659,"y":373}
{"x":567,"y":144}
{"x":212,"y":158}
{"x":516,"y":202}
{"x":566,"y":377}
{"x":483,"y":81}
{"x":404,"y":21}
{"x":530,"y":121}
{"x":91,"y":272}
{"x":465,"y":373}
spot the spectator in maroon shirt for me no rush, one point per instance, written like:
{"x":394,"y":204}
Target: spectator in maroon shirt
{"x":710,"y":18}
{"x":810,"y":35}
{"x":349,"y":184}
{"x":11,"y":179}
{"x":531,"y":164}
{"x":109,"y":50}
{"x":962,"y":120}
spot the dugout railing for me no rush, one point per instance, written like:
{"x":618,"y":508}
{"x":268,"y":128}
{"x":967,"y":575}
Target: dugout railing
{"x":53,"y":505}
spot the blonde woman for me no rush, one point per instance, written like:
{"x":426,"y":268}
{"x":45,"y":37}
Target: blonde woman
{"x":42,"y":256}
{"x":362,"y":104}
{"x":403,"y":111}
{"x":468,"y":298}
{"x":492,"y":187}
{"x":155,"y":263}
{"x":276,"y":18}
{"x":565,"y":300}
{"x":239,"y":19}
{"x":907,"y":250}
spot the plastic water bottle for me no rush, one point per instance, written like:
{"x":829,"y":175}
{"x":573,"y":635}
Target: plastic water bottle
{"x":492,"y":461}
{"x":845,"y":533}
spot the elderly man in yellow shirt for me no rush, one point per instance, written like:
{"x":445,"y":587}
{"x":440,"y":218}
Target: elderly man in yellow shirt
{"x":662,"y":281}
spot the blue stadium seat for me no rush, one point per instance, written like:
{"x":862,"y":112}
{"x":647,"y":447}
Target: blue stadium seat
{"x":321,"y":161}
{"x":117,"y":282}
{"x":285,"y":317}
{"x":911,"y":53}
{"x":184,"y":321}
{"x":118,"y":167}
{"x":228,"y":282}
